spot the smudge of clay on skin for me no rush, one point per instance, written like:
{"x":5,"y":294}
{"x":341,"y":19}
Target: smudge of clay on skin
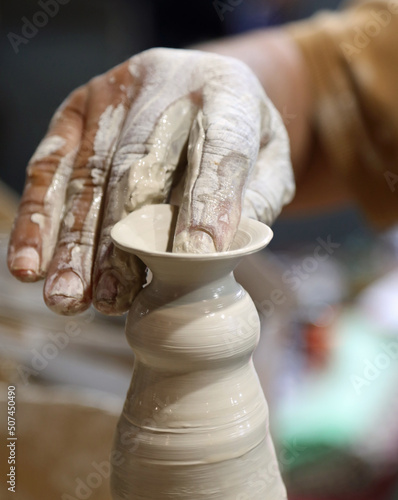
{"x":128,"y":91}
{"x":227,"y":200}
{"x":134,"y":70}
{"x":105,"y":140}
{"x":69,"y":220}
{"x":183,"y":241}
{"x":226,"y":181}
{"x":109,"y":126}
{"x":38,"y":219}
{"x":59,"y":111}
{"x":67,"y":286}
{"x":150,"y":178}
{"x":75,"y":187}
{"x":56,"y":191}
{"x":47,"y":147}
{"x":271,"y":184}
{"x":54,"y":198}
{"x":75,"y":257}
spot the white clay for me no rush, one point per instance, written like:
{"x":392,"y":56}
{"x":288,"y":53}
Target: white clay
{"x":53,"y":206}
{"x":150,"y":178}
{"x":38,"y":219}
{"x":69,"y":220}
{"x":182,"y":241}
{"x":105,"y":140}
{"x":271,"y":185}
{"x":47,"y":147}
{"x":53,"y":202}
{"x":68,"y":284}
{"x":195,"y":421}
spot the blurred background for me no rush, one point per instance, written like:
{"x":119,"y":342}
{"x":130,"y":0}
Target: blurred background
{"x":328,"y":354}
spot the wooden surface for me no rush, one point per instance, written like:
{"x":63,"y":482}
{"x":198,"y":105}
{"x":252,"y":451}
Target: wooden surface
{"x":63,"y":446}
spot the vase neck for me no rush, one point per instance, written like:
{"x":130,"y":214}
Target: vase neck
{"x":188,"y":273}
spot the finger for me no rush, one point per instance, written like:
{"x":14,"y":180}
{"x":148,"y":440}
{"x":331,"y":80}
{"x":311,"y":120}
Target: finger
{"x":67,"y":289}
{"x":223,"y":147}
{"x":271,"y":185}
{"x":35,"y":230}
{"x":142,"y":173}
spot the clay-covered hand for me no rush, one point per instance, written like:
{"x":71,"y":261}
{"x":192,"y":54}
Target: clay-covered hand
{"x":124,"y":140}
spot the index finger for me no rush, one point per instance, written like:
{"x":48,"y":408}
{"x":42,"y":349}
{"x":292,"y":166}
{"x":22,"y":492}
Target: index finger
{"x":36,"y":227}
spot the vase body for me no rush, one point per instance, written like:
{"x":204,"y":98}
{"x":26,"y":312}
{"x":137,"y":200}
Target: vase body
{"x":195,"y":420}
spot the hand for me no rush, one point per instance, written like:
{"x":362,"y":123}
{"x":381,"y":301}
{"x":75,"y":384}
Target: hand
{"x":125,"y":139}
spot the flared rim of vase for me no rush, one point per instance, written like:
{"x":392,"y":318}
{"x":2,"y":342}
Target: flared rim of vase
{"x":250,"y":237}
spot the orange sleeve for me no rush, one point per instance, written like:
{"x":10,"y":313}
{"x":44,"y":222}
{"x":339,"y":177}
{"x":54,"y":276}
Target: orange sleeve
{"x":352,"y":59}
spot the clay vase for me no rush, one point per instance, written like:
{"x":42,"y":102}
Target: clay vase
{"x":195,"y":421}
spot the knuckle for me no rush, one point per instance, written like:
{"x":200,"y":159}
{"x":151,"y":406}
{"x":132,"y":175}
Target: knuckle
{"x":77,"y":94}
{"x":95,"y":81}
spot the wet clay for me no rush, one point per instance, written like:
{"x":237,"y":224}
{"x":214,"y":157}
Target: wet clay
{"x":195,"y":420}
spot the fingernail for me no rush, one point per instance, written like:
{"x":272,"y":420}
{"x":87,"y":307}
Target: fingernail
{"x":67,"y":284}
{"x":64,"y":294}
{"x":111,"y":297}
{"x":25,"y":264}
{"x":107,"y":288}
{"x":194,"y":242}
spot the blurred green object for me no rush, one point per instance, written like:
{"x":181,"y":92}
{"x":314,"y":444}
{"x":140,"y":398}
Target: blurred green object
{"x":339,"y":433}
